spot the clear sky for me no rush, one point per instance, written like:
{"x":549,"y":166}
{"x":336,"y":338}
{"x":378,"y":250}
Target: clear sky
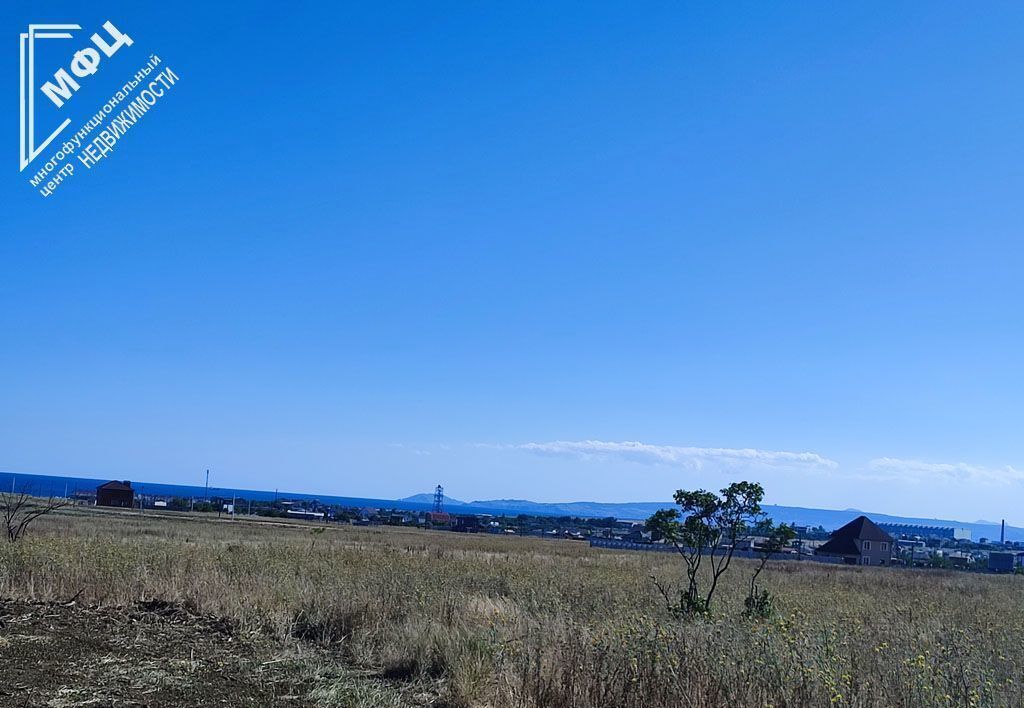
{"x":557,"y":251}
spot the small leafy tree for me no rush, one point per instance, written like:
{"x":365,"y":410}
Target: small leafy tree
{"x":759,"y":602}
{"x":20,"y":509}
{"x":706,"y":526}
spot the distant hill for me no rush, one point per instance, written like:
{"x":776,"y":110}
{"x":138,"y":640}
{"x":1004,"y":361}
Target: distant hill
{"x":429,"y":499}
{"x":830,"y":519}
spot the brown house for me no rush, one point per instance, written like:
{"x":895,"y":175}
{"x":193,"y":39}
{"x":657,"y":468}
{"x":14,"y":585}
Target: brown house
{"x":115,"y":494}
{"x":860,"y":542}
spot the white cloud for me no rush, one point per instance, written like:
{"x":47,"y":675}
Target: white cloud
{"x":414,"y":450}
{"x":918,"y":471}
{"x":692,"y":457}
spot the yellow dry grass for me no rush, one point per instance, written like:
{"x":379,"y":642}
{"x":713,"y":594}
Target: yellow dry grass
{"x":495,"y":621}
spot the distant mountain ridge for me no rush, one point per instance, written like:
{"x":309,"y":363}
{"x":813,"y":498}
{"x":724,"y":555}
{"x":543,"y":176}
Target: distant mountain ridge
{"x":830,"y":519}
{"x":429,"y":499}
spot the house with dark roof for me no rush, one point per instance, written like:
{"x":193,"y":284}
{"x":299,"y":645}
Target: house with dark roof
{"x":860,"y":542}
{"x":115,"y":494}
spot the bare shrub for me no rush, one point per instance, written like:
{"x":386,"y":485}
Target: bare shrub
{"x":20,"y":509}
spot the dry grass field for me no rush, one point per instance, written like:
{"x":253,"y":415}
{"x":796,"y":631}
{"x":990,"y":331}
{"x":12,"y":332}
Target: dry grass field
{"x":117,"y":608}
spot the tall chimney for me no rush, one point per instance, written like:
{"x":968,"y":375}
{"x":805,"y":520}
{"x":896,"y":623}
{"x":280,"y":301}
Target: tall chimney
{"x":1002,"y":532}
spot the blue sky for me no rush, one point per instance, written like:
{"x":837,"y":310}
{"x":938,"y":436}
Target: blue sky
{"x":554,"y":251}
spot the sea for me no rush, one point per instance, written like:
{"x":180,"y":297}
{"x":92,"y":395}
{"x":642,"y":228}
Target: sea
{"x":46,"y":486}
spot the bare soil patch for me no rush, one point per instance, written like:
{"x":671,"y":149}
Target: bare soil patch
{"x":150,"y":654}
